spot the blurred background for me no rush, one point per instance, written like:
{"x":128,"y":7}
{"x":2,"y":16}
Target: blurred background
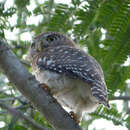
{"x":101,"y":26}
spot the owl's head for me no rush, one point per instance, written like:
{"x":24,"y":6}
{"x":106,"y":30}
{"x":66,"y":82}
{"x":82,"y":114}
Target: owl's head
{"x":49,"y":39}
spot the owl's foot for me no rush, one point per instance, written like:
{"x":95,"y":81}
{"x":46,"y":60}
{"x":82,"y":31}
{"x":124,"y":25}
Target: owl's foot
{"x":73,"y":116}
{"x":45,"y":87}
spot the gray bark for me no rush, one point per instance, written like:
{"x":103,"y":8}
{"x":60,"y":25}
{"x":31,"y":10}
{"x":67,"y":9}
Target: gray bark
{"x":29,"y":87}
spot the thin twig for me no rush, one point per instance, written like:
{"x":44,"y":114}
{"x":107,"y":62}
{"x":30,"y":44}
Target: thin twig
{"x":125,"y":98}
{"x":10,"y":99}
{"x":19,"y":98}
{"x":25,"y":63}
{"x":19,"y":114}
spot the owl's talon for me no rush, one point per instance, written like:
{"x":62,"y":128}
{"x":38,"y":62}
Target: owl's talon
{"x":73,"y":116}
{"x":45,"y":87}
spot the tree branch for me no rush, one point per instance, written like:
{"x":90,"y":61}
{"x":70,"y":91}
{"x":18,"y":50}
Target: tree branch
{"x":25,"y":63}
{"x":22,"y":116}
{"x":125,"y":98}
{"x":29,"y":87}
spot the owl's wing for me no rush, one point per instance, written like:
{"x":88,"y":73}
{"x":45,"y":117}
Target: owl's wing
{"x":76,"y":64}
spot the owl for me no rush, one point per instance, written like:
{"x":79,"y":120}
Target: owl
{"x":74,"y":77}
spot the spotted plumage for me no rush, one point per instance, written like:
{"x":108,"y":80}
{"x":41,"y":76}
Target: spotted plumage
{"x":75,"y":77}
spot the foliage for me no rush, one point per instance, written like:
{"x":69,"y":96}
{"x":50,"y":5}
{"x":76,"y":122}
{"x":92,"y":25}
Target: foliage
{"x":83,"y":20}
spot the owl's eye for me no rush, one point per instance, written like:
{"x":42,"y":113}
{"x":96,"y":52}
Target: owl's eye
{"x":50,"y":38}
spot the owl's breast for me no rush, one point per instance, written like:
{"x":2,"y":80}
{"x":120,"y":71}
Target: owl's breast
{"x":67,"y":91}
{"x":56,"y":82}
